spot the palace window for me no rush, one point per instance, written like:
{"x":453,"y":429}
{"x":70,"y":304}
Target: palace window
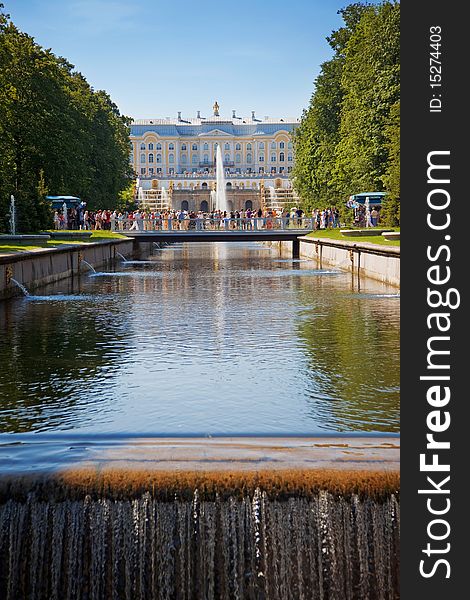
{"x":289,"y":145}
{"x":261,"y":158}
{"x":238,"y":147}
{"x":171,"y":171}
{"x":159,"y":146}
{"x":273,"y":158}
{"x":248,"y":158}
{"x":273,"y":145}
{"x":150,"y":146}
{"x":194,"y":159}
{"x":142,"y":171}
{"x":183,"y":158}
{"x":159,"y":158}
{"x":261,"y":145}
{"x":281,"y":145}
{"x":142,"y":158}
{"x":150,"y":158}
{"x":194,"y":146}
{"x":248,"y":146}
{"x":281,"y":156}
{"x":238,"y":158}
{"x":227,"y":146}
{"x":206,"y":147}
{"x":159,"y":169}
{"x":151,"y":170}
{"x":281,"y":169}
{"x":273,"y":170}
{"x":206,"y":157}
{"x":131,"y":158}
{"x":171,"y":147}
{"x":171,"y":158}
{"x":261,"y":170}
{"x":290,"y":157}
{"x":183,"y":146}
{"x":289,"y":169}
{"x":142,"y":146}
{"x":227,"y":158}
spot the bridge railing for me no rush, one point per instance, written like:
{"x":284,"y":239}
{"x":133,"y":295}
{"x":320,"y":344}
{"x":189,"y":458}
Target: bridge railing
{"x":212,"y":224}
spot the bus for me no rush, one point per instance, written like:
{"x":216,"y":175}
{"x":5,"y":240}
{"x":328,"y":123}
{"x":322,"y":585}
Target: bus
{"x":356,"y":200}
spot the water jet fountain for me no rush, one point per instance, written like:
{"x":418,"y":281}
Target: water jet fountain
{"x":12,"y":215}
{"x":124,"y":259}
{"x":164,"y":199}
{"x":91,"y":267}
{"x":221,"y":192}
{"x":21,"y":286}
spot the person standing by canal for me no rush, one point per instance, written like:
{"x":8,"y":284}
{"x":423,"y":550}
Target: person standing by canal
{"x":374,"y":217}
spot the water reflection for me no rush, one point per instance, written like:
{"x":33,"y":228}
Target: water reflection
{"x":203,"y":338}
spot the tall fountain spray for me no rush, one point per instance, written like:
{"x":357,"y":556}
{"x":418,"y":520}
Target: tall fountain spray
{"x":12,"y":215}
{"x":221,"y":194}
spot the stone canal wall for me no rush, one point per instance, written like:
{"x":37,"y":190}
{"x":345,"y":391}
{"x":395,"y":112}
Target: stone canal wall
{"x":38,"y":268}
{"x":364,"y":259}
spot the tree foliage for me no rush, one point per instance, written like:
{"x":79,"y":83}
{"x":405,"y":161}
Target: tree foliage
{"x":348,"y":138}
{"x":57,"y":135}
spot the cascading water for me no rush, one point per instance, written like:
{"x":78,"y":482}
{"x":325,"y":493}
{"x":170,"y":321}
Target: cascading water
{"x":93,"y":547}
{"x":221,"y":193}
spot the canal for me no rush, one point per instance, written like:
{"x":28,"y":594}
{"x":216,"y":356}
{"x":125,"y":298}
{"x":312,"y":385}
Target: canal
{"x":202,"y":339}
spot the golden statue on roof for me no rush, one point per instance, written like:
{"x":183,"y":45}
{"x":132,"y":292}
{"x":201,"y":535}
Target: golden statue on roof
{"x":216,"y":109}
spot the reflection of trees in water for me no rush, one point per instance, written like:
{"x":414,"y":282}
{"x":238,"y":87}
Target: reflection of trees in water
{"x":352,"y":348}
{"x":51,"y":354}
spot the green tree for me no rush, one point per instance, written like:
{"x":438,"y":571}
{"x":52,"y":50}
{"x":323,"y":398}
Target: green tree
{"x":56,"y":133}
{"x":348,"y":138}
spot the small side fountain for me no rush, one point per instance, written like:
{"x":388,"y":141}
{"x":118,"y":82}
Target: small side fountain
{"x":64,"y":212}
{"x":21,"y":286}
{"x":12,"y":215}
{"x":124,"y":259}
{"x":164,"y":198}
{"x":88,"y":265}
{"x":272,"y":193}
{"x":213,"y":199}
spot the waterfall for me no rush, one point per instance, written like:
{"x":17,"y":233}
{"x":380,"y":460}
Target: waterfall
{"x":221,"y":193}
{"x":93,"y":547}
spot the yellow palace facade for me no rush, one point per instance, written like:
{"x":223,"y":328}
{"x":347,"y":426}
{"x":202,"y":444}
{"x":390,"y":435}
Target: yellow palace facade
{"x":183,"y":150}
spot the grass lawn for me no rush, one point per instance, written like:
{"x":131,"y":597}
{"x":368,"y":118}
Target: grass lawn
{"x":12,"y":247}
{"x":335,"y":234}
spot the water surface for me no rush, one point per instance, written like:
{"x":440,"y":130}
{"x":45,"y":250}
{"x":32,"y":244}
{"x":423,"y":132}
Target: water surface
{"x":202,"y":339}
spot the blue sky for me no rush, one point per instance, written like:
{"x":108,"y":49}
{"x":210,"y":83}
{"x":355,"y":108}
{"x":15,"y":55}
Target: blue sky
{"x":157,"y":57}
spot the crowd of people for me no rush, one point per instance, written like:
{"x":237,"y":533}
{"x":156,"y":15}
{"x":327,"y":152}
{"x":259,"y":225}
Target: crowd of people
{"x":140,"y":219}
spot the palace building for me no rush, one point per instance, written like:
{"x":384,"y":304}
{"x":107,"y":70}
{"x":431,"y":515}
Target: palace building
{"x":175,"y":160}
